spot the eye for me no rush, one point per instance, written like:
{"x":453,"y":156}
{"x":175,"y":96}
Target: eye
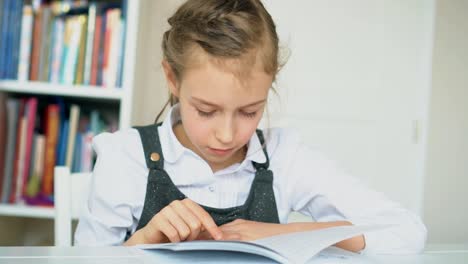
{"x":249,"y":114}
{"x":205,"y":114}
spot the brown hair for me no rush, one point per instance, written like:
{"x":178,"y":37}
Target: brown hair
{"x":225,"y":29}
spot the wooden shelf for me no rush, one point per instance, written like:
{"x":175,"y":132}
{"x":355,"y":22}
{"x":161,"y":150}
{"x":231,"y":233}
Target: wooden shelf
{"x":83,"y":91}
{"x":26,"y":211}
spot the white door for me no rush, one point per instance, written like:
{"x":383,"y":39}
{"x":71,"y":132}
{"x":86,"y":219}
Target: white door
{"x":356,"y":85}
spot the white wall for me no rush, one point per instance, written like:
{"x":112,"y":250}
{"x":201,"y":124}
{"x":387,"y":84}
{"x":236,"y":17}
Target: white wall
{"x":357,"y":84}
{"x":446,"y":195}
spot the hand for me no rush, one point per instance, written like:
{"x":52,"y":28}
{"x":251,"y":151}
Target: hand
{"x":179,"y":221}
{"x":241,"y":229}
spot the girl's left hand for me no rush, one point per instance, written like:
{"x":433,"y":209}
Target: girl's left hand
{"x":241,"y":229}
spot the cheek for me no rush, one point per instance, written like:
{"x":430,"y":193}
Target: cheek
{"x":246,"y":129}
{"x":195,"y":129}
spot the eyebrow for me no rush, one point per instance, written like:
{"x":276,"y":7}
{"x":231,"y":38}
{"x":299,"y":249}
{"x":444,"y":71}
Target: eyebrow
{"x":215,"y":105}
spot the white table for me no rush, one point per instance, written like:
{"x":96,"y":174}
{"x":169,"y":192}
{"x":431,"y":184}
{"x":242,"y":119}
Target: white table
{"x":447,"y":254}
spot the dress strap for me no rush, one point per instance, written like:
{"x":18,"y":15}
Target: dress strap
{"x":266,"y":164}
{"x":151,"y":146}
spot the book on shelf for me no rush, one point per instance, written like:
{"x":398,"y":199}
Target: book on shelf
{"x":297,"y":247}
{"x":61,"y":42}
{"x":25,"y":44}
{"x":3,"y":137}
{"x":13,"y":108}
{"x":40,"y":135}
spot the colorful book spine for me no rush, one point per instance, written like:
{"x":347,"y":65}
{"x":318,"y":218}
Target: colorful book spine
{"x":13,"y":109}
{"x":36,"y":46}
{"x":79,"y":74}
{"x":96,"y":45}
{"x":25,"y":43}
{"x":89,"y":43}
{"x":15,"y":28}
{"x":52,"y":130}
{"x":31,"y":122}
{"x":3,"y":137}
{"x":73,"y":127}
{"x":57,"y":50}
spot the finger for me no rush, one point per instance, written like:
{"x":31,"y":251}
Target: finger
{"x":204,"y":235}
{"x":205,"y":219}
{"x":177,"y":222}
{"x":189,"y":218}
{"x":168,"y":230}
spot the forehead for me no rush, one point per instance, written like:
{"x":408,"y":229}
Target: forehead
{"x":225,"y":80}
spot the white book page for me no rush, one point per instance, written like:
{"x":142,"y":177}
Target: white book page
{"x":212,"y":245}
{"x":299,"y":247}
{"x":296,"y":247}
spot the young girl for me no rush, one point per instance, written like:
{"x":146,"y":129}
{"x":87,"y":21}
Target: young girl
{"x":206,"y":172}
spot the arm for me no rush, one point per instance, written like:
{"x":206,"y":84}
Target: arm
{"x":251,"y":230}
{"x":326,"y":193}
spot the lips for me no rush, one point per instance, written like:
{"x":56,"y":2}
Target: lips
{"x":220,"y":152}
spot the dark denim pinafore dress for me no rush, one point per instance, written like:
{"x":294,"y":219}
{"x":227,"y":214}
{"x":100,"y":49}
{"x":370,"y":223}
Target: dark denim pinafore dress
{"x":160,"y":191}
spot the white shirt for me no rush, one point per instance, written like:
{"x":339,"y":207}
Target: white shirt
{"x":304,"y":181}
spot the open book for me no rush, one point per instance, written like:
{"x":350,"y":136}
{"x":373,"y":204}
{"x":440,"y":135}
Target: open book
{"x":299,"y":247}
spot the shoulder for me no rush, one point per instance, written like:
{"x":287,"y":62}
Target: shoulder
{"x":122,"y":144}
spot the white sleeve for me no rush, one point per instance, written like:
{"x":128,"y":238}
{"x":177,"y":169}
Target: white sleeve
{"x":318,"y":188}
{"x":115,"y":190}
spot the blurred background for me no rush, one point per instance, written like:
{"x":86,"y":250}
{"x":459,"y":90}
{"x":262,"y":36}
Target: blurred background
{"x":381,"y":86}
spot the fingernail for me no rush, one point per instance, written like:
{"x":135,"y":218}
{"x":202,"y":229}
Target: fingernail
{"x":219,"y":236}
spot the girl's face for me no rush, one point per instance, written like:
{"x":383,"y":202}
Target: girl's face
{"x":219,"y":111}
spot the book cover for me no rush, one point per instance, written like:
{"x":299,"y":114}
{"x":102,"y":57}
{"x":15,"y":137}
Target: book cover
{"x":72,"y":132}
{"x":25,"y":43}
{"x":297,"y":248}
{"x":13,"y":109}
{"x":51,"y":137}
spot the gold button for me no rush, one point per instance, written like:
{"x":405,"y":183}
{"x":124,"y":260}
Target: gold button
{"x":154,"y":156}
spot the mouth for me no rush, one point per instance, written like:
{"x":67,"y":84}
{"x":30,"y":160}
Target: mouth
{"x":220,"y":152}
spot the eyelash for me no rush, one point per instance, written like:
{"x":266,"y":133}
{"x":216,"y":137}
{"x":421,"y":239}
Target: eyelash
{"x":205,"y":114}
{"x":210,"y":114}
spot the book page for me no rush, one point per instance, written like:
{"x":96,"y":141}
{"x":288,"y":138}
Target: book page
{"x":211,"y":246}
{"x":299,"y":247}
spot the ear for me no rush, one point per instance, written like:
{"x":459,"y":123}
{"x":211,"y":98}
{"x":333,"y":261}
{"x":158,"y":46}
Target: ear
{"x":170,"y":78}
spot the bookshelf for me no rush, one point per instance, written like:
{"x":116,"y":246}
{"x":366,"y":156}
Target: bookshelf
{"x":119,"y":99}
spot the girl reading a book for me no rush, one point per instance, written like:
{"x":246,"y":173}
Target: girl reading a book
{"x":207,"y":171}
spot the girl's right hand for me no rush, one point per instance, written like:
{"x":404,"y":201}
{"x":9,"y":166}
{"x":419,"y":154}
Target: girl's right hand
{"x":179,"y":221}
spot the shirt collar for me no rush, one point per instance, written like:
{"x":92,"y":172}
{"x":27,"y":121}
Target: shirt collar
{"x":173,"y":149}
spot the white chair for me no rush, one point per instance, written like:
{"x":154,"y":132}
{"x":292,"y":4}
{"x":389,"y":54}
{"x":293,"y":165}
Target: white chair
{"x":71,"y":192}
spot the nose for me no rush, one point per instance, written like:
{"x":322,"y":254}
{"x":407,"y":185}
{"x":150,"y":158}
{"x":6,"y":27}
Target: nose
{"x":225,"y":131}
